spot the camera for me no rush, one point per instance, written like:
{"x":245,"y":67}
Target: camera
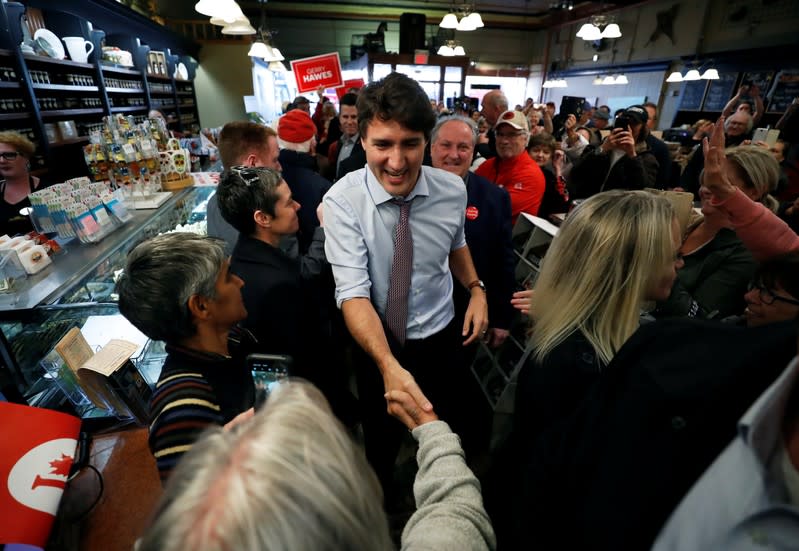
{"x":622,"y":121}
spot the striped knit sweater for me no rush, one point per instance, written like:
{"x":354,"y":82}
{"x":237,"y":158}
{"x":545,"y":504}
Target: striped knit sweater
{"x":195,"y":390}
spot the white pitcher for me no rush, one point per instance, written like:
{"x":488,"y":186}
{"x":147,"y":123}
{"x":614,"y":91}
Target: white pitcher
{"x":76,"y":46}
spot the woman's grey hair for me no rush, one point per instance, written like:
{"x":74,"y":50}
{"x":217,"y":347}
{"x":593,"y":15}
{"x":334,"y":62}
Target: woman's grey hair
{"x":459,"y":118}
{"x":290,"y":478}
{"x":161,"y":275}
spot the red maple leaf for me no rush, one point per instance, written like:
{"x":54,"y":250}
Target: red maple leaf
{"x":61,"y":466}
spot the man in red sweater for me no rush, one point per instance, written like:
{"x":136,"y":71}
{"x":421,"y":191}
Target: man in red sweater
{"x":512,"y":168}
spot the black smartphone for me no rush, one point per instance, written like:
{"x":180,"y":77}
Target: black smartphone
{"x":622,"y":121}
{"x":268,"y":371}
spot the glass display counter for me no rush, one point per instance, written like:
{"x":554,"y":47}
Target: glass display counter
{"x":78,"y":288}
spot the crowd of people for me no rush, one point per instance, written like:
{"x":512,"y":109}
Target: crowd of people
{"x":374,"y":245}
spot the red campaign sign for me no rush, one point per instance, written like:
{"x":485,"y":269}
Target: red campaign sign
{"x":38,"y":450}
{"x":313,"y":72}
{"x":350,"y":83}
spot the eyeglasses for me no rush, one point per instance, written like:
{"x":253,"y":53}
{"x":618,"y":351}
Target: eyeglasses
{"x":767,"y":296}
{"x":9,"y":155}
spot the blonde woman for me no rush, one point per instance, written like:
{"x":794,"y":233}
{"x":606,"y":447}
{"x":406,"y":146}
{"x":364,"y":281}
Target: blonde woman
{"x":614,"y":252}
{"x":718,"y":265}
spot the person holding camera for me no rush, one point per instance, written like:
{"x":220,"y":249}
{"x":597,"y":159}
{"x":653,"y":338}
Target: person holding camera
{"x":623,"y":161}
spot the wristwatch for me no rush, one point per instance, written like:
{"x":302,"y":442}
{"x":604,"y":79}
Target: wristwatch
{"x":477,"y":283}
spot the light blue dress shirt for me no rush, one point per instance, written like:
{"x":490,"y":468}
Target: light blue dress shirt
{"x":741,"y":502}
{"x":359,"y":227}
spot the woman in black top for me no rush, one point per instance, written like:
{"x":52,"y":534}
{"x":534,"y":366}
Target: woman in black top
{"x":16,"y":182}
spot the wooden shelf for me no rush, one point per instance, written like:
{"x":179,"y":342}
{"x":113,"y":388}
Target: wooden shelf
{"x":14,"y":116}
{"x":129,"y":109}
{"x":189,"y":105}
{"x":69,"y":141}
{"x":152,"y":93}
{"x":151,"y":76}
{"x":184,"y":93}
{"x":50,"y":61}
{"x":4,"y":52}
{"x":120,"y":70}
{"x":71,"y":112}
{"x":125,"y":90}
{"x":66,"y":87}
{"x":170,"y":106}
{"x":4,"y":84}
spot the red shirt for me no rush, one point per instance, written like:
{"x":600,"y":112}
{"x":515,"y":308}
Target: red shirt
{"x":522,"y":179}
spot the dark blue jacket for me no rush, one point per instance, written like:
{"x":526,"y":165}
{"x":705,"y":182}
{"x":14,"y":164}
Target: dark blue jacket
{"x":488,"y":234}
{"x":307,"y":187}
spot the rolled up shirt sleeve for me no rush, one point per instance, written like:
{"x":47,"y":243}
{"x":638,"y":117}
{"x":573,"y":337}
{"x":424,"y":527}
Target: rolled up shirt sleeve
{"x":346,"y":250}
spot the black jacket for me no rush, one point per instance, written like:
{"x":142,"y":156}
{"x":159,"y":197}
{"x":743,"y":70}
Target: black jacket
{"x":592,"y":173}
{"x":661,"y":152}
{"x":609,"y":469}
{"x":488,"y":235}
{"x":307,"y":187}
{"x":356,"y":160}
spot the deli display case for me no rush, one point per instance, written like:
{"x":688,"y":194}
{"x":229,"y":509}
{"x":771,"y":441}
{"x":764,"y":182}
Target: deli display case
{"x":77,"y":290}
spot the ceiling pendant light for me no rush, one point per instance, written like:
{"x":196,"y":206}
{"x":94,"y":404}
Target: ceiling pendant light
{"x":597,"y":80}
{"x":446,"y":51}
{"x":228,"y":17}
{"x":693,"y":74}
{"x":585,"y":29}
{"x":612,"y":31}
{"x":459,"y":51}
{"x":450,"y":21}
{"x":477,"y":21}
{"x":212,"y":8}
{"x":259,"y":49}
{"x":621,"y":79}
{"x":239,"y":27}
{"x":600,"y":26}
{"x":675,"y":76}
{"x":710,"y":74}
{"x":608,"y":80}
{"x":466,"y":24}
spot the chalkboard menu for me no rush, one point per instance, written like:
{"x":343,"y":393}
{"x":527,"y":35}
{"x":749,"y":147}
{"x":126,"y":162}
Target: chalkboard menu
{"x":693,"y":92}
{"x":720,"y":91}
{"x":762,"y":80}
{"x":785,"y":90}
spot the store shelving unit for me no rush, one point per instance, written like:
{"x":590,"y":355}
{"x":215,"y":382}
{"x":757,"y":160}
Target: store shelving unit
{"x":38,"y":91}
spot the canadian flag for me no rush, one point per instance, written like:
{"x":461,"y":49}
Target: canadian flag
{"x":38,"y":449}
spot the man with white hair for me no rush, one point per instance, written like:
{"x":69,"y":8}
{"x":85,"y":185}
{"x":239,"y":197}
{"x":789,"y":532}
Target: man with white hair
{"x":487,"y":226}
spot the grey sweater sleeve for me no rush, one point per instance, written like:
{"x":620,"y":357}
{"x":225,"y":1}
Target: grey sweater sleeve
{"x":449,"y":506}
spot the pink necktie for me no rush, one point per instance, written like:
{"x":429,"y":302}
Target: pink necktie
{"x":399,"y":284}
